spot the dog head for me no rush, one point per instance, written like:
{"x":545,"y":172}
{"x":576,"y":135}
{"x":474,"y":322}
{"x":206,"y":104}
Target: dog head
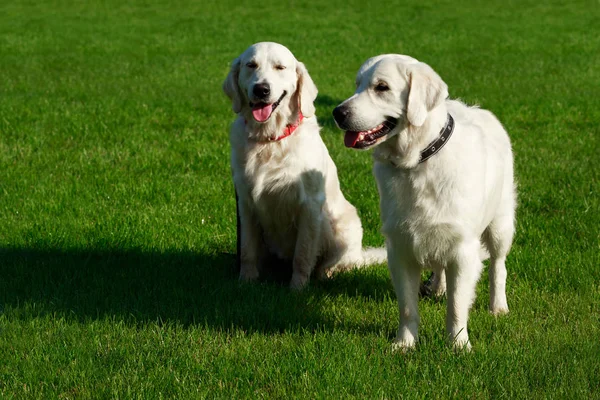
{"x":393,"y":92}
{"x":266,"y":83}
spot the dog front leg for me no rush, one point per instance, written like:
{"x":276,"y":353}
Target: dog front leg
{"x":250,"y":242}
{"x":462,"y":276}
{"x":406,"y":276}
{"x":307,"y":245}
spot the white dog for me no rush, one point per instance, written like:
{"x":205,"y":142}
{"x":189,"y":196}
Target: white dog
{"x":290,"y":202}
{"x":445,"y":177}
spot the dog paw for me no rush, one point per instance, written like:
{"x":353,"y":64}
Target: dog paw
{"x":248,"y":274}
{"x":427,"y":290}
{"x":325,"y":273}
{"x":403,"y":346}
{"x":434,"y":287}
{"x":298,"y":282}
{"x":458,"y":338}
{"x":498,"y":310}
{"x":462,"y":346}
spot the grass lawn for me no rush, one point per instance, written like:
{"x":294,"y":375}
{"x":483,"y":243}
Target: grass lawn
{"x":117,"y":213}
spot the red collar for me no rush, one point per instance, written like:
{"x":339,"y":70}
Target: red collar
{"x":289,"y":129}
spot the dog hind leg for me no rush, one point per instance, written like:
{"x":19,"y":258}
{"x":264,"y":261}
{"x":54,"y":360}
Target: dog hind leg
{"x":307,"y":246}
{"x":498,"y":237}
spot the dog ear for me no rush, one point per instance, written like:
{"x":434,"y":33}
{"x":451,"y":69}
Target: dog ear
{"x":306,"y":91}
{"x":427,"y":91}
{"x":231,"y":87}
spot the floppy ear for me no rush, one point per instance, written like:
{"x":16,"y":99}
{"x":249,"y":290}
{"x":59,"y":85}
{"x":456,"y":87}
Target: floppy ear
{"x":231,"y":87}
{"x":427,"y":91}
{"x":306,"y":91}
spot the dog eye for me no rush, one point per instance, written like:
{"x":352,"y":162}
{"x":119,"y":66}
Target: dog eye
{"x":280,"y":67}
{"x":382,"y":87}
{"x":251,"y":65}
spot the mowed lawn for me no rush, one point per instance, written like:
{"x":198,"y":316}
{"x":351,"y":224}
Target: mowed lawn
{"x":117,"y":211}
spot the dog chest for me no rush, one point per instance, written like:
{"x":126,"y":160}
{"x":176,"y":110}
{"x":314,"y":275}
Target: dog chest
{"x":277,"y":199}
{"x":417,"y":215}
{"x":273,"y":185}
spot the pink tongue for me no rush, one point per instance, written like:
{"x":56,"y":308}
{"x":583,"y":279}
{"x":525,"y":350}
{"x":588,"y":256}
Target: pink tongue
{"x":350,"y":138}
{"x":262,"y":113}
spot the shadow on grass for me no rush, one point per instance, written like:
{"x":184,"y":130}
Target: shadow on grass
{"x":171,"y":287}
{"x":325,"y":105}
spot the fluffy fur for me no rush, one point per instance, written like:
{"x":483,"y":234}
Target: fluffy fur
{"x":290,"y":202}
{"x":437,"y":213}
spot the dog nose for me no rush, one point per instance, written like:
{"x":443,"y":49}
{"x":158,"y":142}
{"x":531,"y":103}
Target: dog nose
{"x":261,"y":90}
{"x":340,"y":113}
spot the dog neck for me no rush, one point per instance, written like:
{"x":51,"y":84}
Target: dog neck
{"x":288,"y":130}
{"x":279,"y":126}
{"x":404,"y":149}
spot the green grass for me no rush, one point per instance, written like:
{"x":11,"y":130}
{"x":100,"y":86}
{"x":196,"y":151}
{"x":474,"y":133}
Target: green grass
{"x":117,"y":214}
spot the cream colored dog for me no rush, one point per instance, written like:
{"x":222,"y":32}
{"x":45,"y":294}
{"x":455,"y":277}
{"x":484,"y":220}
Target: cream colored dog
{"x":445,"y":177}
{"x":290,"y":202}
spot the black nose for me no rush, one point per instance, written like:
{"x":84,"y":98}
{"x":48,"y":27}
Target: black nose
{"x":261,"y":90}
{"x":340,"y":113}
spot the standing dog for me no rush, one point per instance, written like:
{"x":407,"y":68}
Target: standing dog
{"x":445,"y":177}
{"x":290,"y":202}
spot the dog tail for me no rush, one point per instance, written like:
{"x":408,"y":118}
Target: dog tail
{"x":357,"y":259}
{"x":484,"y":254}
{"x":378,"y":255}
{"x":372,"y":255}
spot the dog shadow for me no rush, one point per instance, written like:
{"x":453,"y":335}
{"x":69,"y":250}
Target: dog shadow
{"x":324,"y":105}
{"x":137,"y":286}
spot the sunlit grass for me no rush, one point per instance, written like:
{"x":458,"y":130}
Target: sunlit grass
{"x":117,"y":214}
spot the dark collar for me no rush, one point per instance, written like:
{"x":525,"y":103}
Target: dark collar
{"x":440,"y":142}
{"x":288,"y":130}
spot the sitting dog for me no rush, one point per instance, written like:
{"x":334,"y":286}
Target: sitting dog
{"x":290,"y":202}
{"x":444,"y":173}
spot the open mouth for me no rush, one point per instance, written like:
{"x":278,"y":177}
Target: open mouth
{"x":364,"y":139}
{"x":262,"y":111}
